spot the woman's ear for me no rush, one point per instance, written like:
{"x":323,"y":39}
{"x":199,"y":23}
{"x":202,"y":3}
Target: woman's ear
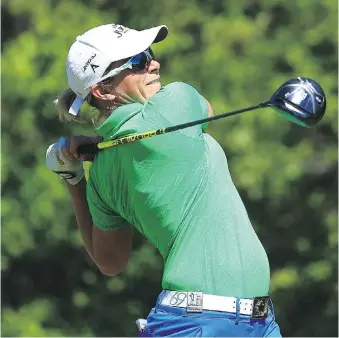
{"x":102,"y":93}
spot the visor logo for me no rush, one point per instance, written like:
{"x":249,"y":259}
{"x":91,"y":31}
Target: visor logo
{"x":88,"y":63}
{"x":93,"y":67}
{"x":119,"y":30}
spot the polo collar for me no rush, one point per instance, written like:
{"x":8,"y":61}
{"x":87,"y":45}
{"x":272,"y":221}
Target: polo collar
{"x":118,"y":117}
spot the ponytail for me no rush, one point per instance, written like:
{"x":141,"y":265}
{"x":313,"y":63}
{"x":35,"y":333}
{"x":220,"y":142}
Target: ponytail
{"x":65,"y":100}
{"x":62,"y":105}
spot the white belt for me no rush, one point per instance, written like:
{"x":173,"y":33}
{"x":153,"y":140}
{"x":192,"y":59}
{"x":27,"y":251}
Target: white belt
{"x":197,"y":301}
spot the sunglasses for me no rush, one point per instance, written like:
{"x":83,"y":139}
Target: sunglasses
{"x":137,"y":64}
{"x":142,"y":60}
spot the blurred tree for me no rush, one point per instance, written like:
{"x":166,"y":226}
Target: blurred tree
{"x":236,"y":53}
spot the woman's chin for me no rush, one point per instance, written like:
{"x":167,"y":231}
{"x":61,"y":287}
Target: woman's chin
{"x":153,"y":88}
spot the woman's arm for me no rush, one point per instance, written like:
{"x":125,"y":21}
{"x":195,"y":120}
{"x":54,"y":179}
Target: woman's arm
{"x":109,"y":250}
{"x":83,"y":217}
{"x":210,"y":109}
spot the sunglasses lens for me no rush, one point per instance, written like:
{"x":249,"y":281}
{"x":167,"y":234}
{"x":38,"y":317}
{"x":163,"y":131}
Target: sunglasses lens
{"x":140,"y":61}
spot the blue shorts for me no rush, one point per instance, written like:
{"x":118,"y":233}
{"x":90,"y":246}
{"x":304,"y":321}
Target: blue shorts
{"x":177,"y":322}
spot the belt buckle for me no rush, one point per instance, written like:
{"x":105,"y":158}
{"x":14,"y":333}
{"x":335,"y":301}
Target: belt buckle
{"x":194,"y":301}
{"x":260,"y":307}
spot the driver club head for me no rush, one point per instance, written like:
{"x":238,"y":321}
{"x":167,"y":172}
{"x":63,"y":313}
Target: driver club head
{"x":301,"y":100}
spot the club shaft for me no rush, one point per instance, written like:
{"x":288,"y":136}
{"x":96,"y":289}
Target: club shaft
{"x":209,"y":119}
{"x":93,"y":148}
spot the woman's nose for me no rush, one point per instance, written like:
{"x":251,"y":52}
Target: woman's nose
{"x":153,"y":67}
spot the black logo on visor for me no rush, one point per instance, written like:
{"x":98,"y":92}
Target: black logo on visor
{"x":93,"y":67}
{"x":119,"y":30}
{"x":88,"y":62}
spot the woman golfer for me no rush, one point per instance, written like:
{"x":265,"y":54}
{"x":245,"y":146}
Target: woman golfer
{"x":175,"y":189}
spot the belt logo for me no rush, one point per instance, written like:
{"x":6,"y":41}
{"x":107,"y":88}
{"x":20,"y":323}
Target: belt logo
{"x":193,"y":300}
{"x":260,"y":307}
{"x":178,"y":298}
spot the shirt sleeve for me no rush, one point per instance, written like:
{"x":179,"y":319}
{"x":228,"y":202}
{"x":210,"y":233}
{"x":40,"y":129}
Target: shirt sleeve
{"x":104,"y":218}
{"x":179,"y":103}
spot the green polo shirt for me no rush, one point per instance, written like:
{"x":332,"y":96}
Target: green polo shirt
{"x":176,"y":189}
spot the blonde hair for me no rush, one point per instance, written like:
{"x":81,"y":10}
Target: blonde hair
{"x":62,"y":105}
{"x":64,"y":101}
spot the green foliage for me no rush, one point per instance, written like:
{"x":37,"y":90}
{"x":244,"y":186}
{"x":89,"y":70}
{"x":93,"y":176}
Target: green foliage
{"x":236,"y":53}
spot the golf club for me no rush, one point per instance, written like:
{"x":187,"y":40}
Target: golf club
{"x":300,"y":100}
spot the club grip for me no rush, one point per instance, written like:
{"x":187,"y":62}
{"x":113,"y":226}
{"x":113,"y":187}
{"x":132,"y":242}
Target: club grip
{"x":88,"y":149}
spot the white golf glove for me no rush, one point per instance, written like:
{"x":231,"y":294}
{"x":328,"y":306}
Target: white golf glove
{"x":69,"y":169}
